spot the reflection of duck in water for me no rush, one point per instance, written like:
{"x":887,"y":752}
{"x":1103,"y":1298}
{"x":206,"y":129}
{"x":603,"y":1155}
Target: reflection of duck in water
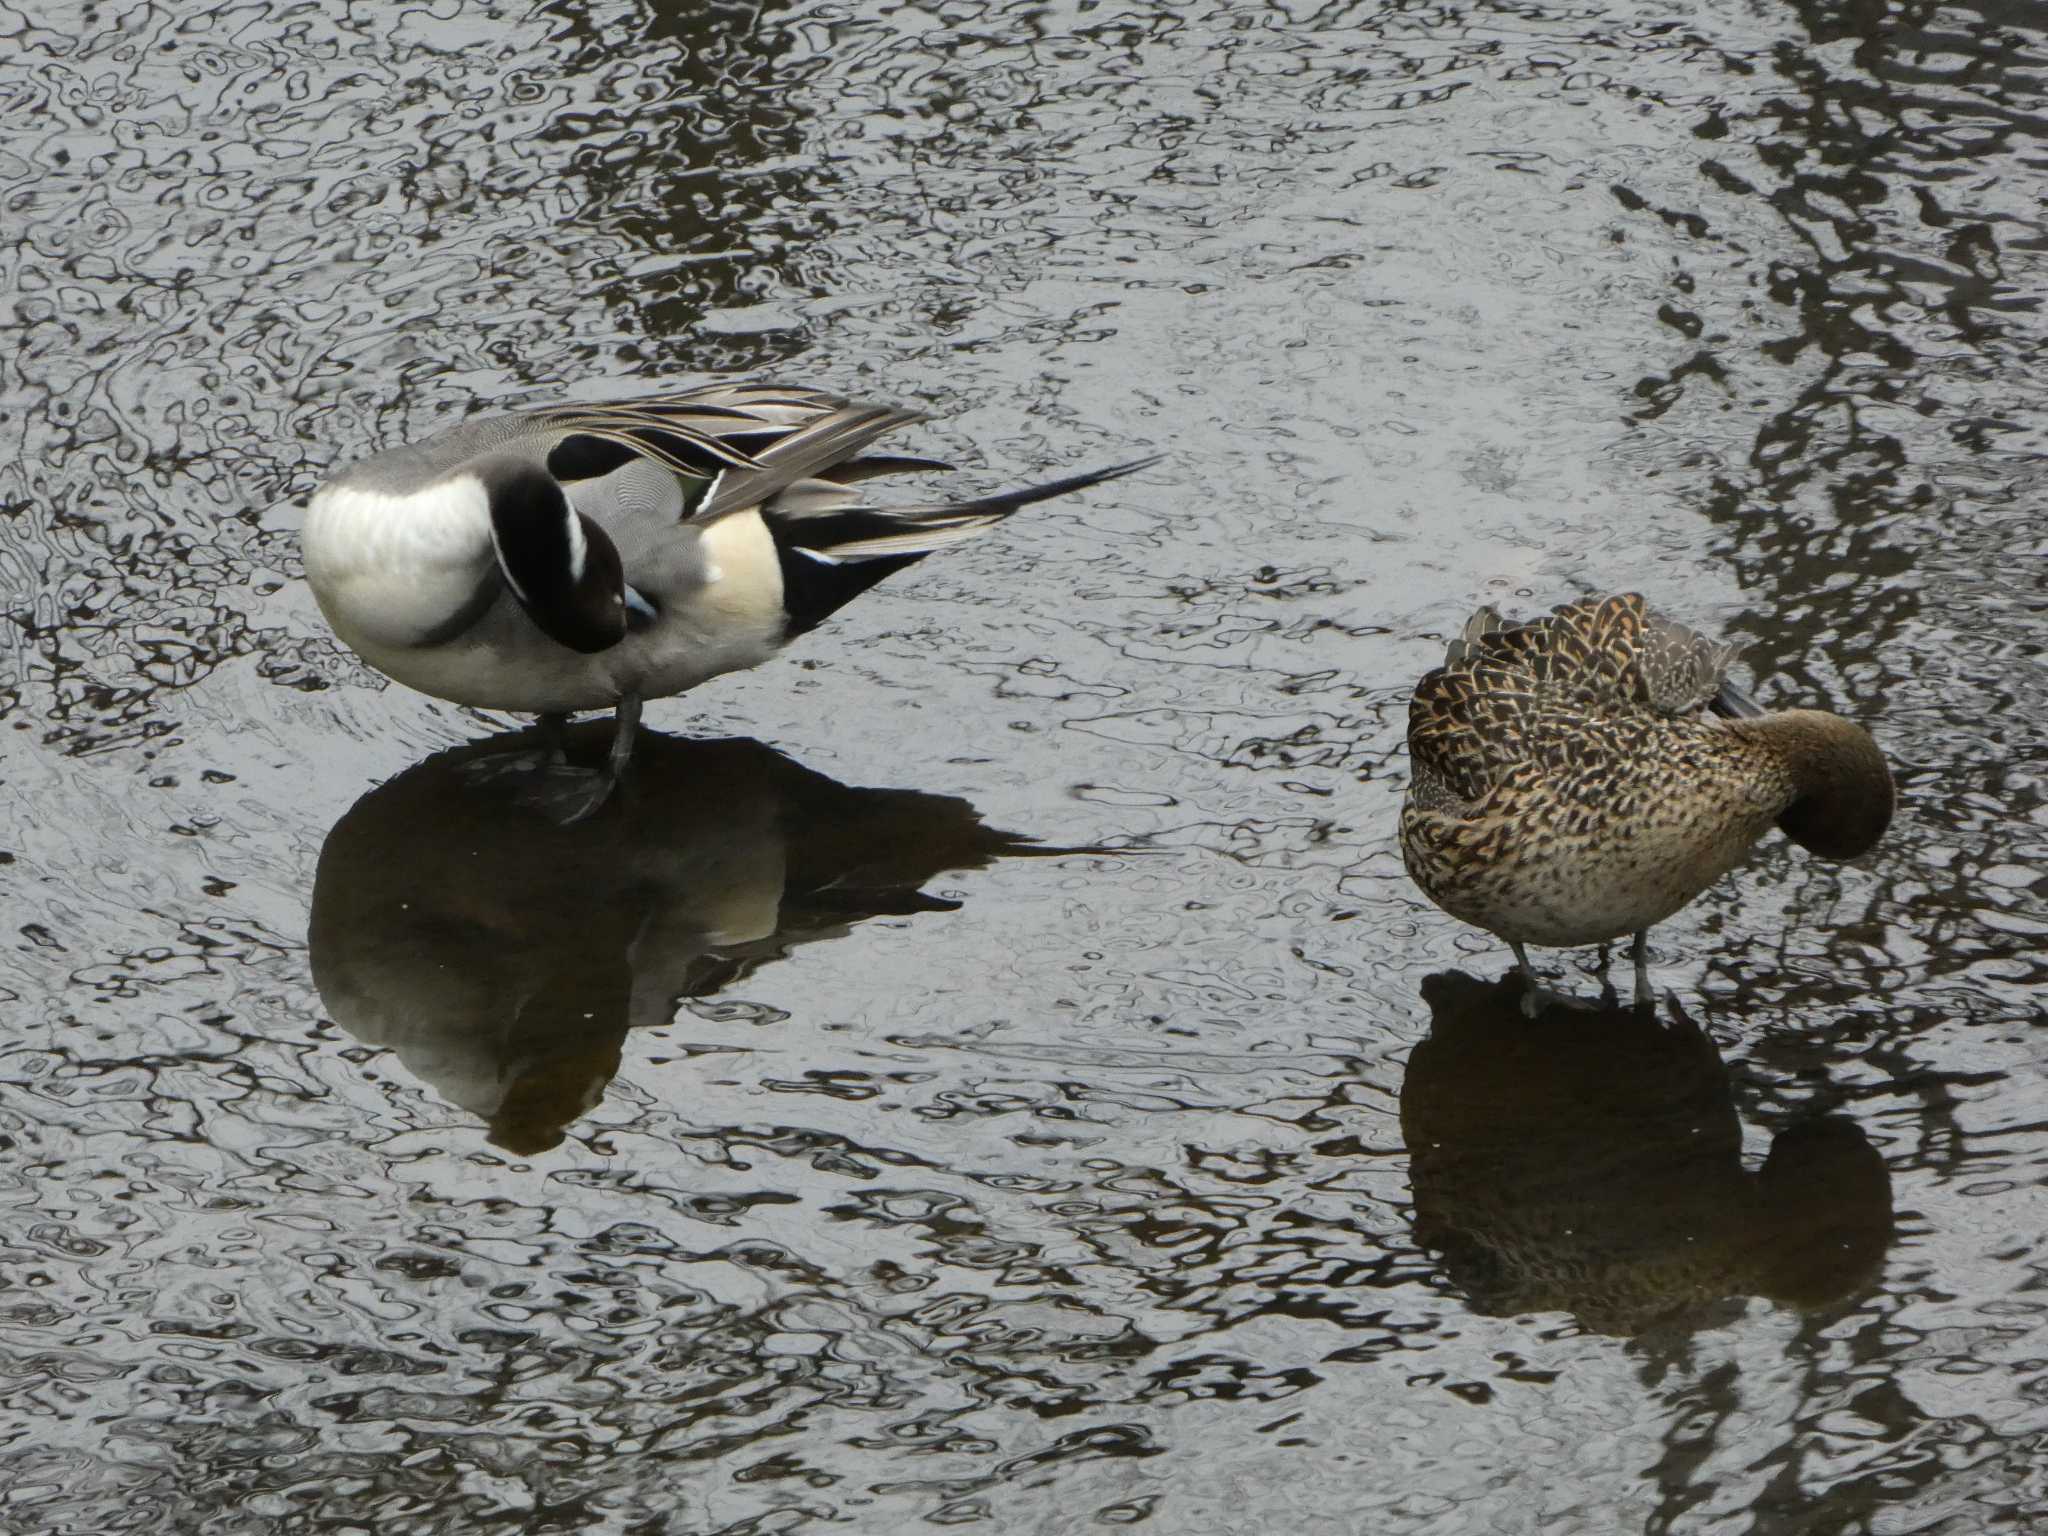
{"x":503,"y":957}
{"x":1585,"y":775}
{"x":1588,"y":1164}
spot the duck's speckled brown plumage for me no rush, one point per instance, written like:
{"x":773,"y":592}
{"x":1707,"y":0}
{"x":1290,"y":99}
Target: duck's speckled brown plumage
{"x":1570,"y":788}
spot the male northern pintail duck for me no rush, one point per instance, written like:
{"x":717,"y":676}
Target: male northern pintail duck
{"x":1586,"y":775}
{"x":595,"y":556}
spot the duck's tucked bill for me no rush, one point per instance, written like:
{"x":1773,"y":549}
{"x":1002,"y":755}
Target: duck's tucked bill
{"x":595,"y":556}
{"x":1584,"y":776}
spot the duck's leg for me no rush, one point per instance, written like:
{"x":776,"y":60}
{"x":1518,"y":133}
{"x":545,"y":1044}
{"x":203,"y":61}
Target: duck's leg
{"x":1603,"y":968}
{"x":568,"y":794}
{"x":1534,"y":995}
{"x":1639,"y":951}
{"x":598,"y":786}
{"x":625,"y":729}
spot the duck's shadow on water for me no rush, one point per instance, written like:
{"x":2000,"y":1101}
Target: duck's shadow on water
{"x":504,"y":958}
{"x":1590,"y":1162}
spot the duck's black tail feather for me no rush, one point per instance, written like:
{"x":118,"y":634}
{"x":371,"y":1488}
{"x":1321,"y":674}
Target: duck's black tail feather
{"x":833,"y":545}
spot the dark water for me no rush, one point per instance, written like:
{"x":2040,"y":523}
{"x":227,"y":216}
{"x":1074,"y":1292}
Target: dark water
{"x":803,"y":1148}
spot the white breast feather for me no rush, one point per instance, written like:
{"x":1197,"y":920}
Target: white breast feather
{"x":389,"y":569}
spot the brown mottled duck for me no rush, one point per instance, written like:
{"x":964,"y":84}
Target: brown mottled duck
{"x":1585,"y":775}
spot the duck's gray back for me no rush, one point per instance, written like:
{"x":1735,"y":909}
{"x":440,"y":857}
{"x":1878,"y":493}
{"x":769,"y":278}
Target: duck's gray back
{"x":415,"y":466}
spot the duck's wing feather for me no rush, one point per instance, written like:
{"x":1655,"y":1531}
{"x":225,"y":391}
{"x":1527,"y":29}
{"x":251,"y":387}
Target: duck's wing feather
{"x":1588,"y":649}
{"x":793,"y":453}
{"x":809,"y":450}
{"x":1611,"y":651}
{"x":797,"y":453}
{"x":1512,"y":696}
{"x":739,"y":445}
{"x":1470,"y":727}
{"x":698,"y":433}
{"x":790,"y":451}
{"x":1466,"y":647}
{"x":1682,"y":669}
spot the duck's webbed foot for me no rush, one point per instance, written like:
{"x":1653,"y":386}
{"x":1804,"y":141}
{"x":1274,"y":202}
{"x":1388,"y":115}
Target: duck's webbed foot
{"x":566,"y":794}
{"x":569,"y":794}
{"x":546,"y":754}
{"x":549,"y":783}
{"x":1537,"y":999}
{"x":1536,"y":996}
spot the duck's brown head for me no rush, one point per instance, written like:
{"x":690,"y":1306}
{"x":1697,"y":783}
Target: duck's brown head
{"x":1844,"y":794}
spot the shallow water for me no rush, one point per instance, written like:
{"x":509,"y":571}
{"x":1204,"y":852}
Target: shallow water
{"x":800,"y":1145}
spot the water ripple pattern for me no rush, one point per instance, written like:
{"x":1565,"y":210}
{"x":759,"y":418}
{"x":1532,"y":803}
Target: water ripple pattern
{"x":997,"y":1073}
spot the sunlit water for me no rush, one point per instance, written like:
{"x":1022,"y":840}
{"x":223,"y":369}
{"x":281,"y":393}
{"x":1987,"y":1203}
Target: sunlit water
{"x":999,"y":1074}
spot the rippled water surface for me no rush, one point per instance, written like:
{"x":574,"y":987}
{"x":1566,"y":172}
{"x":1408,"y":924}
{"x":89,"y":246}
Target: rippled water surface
{"x":996,"y":1073}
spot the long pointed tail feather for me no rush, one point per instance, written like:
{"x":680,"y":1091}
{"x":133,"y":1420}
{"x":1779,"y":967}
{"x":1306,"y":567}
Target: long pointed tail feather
{"x":833,"y":546}
{"x":844,"y":534}
{"x":1009,"y":501}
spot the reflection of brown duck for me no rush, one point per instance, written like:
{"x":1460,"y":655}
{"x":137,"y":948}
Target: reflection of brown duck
{"x":503,"y":957}
{"x":1589,"y":1164}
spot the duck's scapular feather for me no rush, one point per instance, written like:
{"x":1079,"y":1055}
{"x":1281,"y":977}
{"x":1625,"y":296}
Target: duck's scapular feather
{"x":575,"y":556}
{"x":1586,"y":775}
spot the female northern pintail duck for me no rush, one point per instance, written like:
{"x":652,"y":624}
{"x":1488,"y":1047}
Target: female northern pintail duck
{"x":595,"y":556}
{"x":1586,"y":775}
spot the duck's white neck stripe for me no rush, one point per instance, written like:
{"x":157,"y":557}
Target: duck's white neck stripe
{"x":579,"y":547}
